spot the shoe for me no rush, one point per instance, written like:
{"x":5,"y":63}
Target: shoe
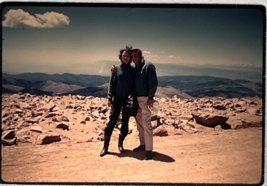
{"x":140,"y":148}
{"x":103,"y":152}
{"x":148,"y":155}
{"x":105,"y":148}
{"x":121,"y":149}
{"x":120,"y":145}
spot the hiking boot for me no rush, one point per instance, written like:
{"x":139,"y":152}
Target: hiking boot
{"x":148,"y":155}
{"x":120,"y":145}
{"x":140,"y":148}
{"x":104,"y":152}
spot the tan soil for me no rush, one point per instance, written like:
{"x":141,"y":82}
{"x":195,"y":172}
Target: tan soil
{"x":208,"y":156}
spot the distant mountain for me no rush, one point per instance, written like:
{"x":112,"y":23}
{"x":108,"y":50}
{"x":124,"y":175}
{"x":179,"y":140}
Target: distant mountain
{"x":7,"y":88}
{"x":21,"y":82}
{"x":36,"y":92}
{"x":80,"y":80}
{"x":230,"y":72}
{"x":56,"y":87}
{"x":102,"y":91}
{"x":201,"y":86}
{"x":195,"y":86}
{"x":169,"y":91}
{"x":89,"y":91}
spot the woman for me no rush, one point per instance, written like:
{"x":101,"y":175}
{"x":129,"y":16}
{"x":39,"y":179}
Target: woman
{"x":121,"y":86}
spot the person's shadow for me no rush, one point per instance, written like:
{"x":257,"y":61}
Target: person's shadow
{"x":141,"y":155}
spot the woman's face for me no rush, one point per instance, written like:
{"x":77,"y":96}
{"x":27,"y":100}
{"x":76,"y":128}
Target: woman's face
{"x":125,"y":57}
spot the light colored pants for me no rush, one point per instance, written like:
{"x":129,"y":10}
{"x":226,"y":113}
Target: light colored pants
{"x":143,"y":120}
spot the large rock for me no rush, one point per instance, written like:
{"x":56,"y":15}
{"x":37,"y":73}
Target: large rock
{"x":160,"y":131}
{"x":60,"y":119}
{"x":210,"y":120}
{"x":9,"y":142}
{"x":63,"y":126}
{"x":47,"y":137}
{"x":9,"y":138}
{"x":219,"y":107}
{"x":8,"y":134}
{"x":36,"y":129}
{"x":51,"y":114}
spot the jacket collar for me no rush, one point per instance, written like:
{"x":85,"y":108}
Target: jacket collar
{"x":142,"y":62}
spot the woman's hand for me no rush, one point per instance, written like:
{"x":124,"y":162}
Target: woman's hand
{"x":113,"y":69}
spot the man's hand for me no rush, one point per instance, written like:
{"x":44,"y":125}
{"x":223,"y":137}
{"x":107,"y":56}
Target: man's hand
{"x":113,"y":69}
{"x":110,"y":105}
{"x":150,"y":103}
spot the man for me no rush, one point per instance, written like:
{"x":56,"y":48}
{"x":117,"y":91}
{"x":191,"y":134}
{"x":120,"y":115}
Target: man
{"x":145,"y":86}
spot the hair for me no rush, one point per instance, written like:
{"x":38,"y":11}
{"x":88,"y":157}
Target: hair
{"x":137,"y":50}
{"x":128,"y":49}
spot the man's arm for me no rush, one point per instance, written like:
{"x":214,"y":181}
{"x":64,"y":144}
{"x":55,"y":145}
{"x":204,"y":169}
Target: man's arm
{"x":152,"y":81}
{"x":152,"y":84}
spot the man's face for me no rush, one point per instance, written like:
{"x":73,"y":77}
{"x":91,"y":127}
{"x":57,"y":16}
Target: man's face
{"x":136,"y":58}
{"x":125,"y":57}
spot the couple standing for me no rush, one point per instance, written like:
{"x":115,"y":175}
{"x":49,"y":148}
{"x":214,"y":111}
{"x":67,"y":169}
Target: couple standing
{"x":128,"y":81}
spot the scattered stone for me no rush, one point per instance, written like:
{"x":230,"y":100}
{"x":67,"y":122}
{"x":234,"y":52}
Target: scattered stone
{"x":63,"y":126}
{"x":209,"y":119}
{"x":47,"y":138}
{"x":8,"y":134}
{"x":219,"y":107}
{"x":36,"y":129}
{"x":33,"y":120}
{"x":18,"y":111}
{"x":9,"y":142}
{"x":51,"y":114}
{"x":246,"y":124}
{"x":160,"y":131}
{"x":186,"y":117}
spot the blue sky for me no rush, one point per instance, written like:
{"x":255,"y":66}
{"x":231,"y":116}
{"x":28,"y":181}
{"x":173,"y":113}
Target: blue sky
{"x":75,"y":39}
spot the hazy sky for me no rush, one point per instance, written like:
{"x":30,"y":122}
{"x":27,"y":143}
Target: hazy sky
{"x":68,"y":39}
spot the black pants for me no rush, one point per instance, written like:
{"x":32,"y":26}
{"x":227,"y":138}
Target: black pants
{"x":119,"y":103}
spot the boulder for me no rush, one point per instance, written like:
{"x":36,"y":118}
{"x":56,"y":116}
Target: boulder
{"x":160,"y":131}
{"x":63,"y":126}
{"x":36,"y":129}
{"x":219,"y":107}
{"x":9,"y":138}
{"x":47,"y":138}
{"x":8,"y":134}
{"x":9,"y":142}
{"x":209,"y":120}
{"x":60,"y":119}
{"x":51,"y":114}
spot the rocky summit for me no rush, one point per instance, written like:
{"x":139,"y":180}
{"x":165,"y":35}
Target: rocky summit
{"x":40,"y":120}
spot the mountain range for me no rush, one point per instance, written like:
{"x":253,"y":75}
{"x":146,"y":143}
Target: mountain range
{"x":96,"y":85}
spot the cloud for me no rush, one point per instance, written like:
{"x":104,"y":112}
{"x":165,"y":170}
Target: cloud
{"x":152,"y":56}
{"x":146,"y":52}
{"x":171,"y":56}
{"x":19,"y":18}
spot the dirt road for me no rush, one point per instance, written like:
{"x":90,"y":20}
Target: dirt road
{"x":228,"y":156}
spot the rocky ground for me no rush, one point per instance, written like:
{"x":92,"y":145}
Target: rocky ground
{"x":59,"y":138}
